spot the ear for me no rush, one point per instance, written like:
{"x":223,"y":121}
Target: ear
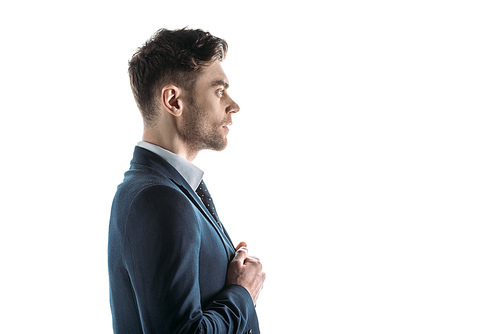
{"x":170,"y":100}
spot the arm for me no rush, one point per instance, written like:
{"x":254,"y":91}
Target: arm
{"x":161,"y":253}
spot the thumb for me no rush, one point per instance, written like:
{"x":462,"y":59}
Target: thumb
{"x":241,"y":244}
{"x":241,"y":253}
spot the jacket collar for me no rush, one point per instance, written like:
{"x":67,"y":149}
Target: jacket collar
{"x":189,"y":171}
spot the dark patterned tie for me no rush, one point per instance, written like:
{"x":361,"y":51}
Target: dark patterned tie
{"x":205,"y":197}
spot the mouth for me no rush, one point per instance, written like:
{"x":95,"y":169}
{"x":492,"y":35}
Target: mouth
{"x":226,"y":127}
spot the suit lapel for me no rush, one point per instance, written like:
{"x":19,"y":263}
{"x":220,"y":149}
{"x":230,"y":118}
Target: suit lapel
{"x":199,"y":204}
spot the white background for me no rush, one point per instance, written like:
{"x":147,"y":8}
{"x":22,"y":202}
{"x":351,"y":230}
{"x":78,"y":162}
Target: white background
{"x":362,"y":168}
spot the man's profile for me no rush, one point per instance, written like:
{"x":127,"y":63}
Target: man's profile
{"x":172,"y":265}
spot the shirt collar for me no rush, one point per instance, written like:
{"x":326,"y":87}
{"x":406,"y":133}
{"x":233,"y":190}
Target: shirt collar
{"x":187,"y":169}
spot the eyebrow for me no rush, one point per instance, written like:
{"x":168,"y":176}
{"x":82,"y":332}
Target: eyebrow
{"x":220,"y":83}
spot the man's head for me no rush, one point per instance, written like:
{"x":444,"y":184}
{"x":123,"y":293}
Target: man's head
{"x":177,"y":81}
{"x":171,"y":57}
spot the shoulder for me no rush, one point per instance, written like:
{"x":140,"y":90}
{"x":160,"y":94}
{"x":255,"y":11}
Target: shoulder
{"x":143,"y":181}
{"x":162,"y":207}
{"x":160,"y":196}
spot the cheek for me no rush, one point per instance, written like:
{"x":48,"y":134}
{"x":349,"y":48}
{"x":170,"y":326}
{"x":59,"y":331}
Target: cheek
{"x":211,"y":120}
{"x":216,"y":114}
{"x":214,"y":110}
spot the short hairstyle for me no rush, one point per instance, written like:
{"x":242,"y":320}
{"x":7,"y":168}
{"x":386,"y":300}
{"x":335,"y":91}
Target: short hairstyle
{"x":171,"y":57}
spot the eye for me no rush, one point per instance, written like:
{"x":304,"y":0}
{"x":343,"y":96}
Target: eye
{"x":220,"y":92}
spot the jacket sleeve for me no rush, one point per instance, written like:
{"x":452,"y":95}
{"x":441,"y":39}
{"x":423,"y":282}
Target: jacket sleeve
{"x":161,"y":253}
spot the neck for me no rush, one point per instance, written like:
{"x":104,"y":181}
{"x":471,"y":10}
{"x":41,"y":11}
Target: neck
{"x":169,"y":141}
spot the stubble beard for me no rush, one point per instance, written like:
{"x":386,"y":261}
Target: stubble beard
{"x":199,"y":134}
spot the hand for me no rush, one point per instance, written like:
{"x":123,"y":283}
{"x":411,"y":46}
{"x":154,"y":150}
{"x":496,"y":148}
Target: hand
{"x":246,"y":271}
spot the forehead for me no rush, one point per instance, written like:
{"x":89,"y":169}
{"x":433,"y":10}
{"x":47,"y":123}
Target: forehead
{"x":212,"y":75}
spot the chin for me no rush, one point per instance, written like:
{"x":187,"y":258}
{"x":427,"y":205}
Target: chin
{"x":214,"y":145}
{"x":220,"y":147}
{"x":212,"y":142}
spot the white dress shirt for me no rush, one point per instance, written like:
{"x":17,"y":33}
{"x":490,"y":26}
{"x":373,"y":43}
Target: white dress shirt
{"x":187,"y":169}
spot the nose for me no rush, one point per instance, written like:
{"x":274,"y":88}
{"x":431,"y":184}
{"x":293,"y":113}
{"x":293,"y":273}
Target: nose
{"x":233,"y":107}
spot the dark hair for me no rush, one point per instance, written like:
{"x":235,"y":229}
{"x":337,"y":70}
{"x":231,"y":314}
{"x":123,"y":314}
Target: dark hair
{"x":171,"y":57}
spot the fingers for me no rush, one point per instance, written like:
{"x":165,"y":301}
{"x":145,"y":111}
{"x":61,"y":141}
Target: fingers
{"x":251,"y":258}
{"x":242,"y":254}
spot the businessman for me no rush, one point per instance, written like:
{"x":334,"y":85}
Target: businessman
{"x":172,"y":265}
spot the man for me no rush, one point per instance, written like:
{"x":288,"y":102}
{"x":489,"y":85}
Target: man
{"x":172,"y":265}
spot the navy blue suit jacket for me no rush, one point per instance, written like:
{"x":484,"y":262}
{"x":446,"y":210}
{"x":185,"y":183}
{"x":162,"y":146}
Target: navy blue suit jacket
{"x":168,"y":260}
